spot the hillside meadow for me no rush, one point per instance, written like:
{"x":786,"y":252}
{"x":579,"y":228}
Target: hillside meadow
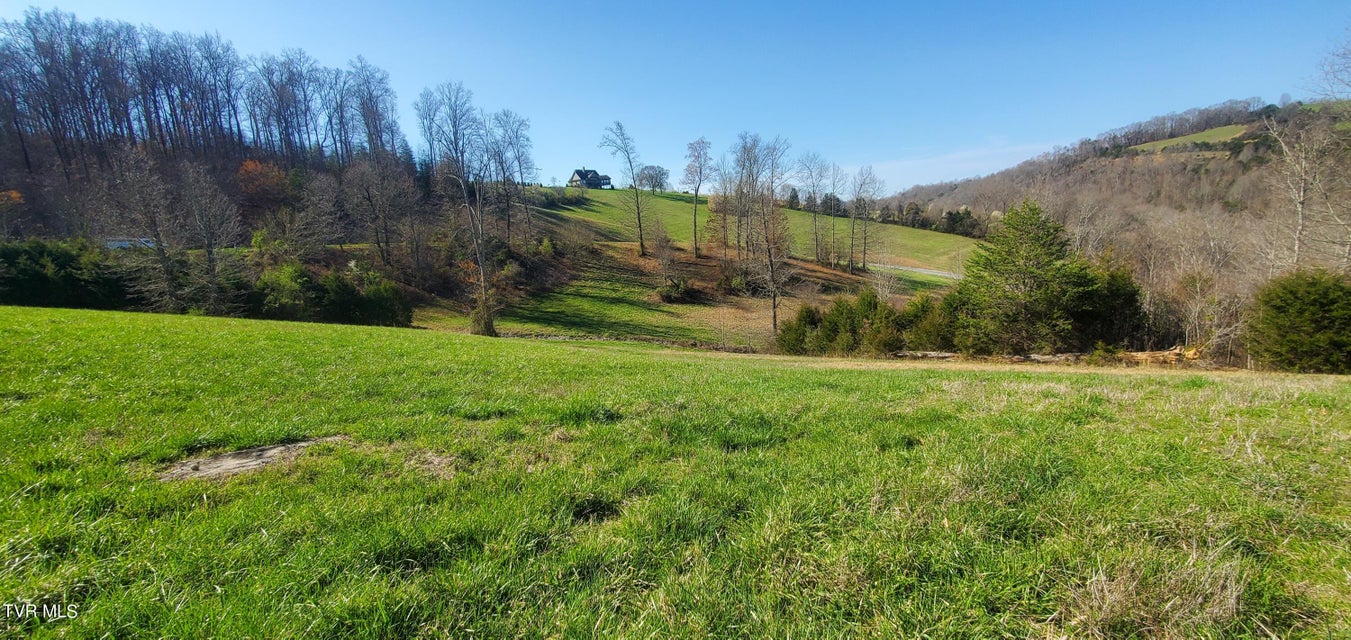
{"x":474,"y":487}
{"x":612,"y":294}
{"x":889,"y":244}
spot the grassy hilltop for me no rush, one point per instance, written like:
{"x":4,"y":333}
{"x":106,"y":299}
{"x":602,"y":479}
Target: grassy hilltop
{"x":504,"y":487}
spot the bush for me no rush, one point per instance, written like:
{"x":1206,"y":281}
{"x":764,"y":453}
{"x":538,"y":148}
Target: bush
{"x":60,"y":274}
{"x":1104,"y":354}
{"x":355,"y":296}
{"x":350,"y":296}
{"x":865,"y":325}
{"x":1302,"y":322}
{"x":285,"y":292}
{"x":676,"y":289}
{"x":930,"y":323}
{"x":792,"y":338}
{"x":1110,"y":311}
{"x":384,"y":304}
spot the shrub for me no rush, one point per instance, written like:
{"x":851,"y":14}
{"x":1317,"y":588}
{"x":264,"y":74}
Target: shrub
{"x":1111,"y":310}
{"x":676,"y":289}
{"x":348,"y":296}
{"x":1302,"y":322}
{"x":1104,"y":354}
{"x":285,"y":292}
{"x":60,"y":274}
{"x":384,"y":304}
{"x":792,"y":338}
{"x":863,"y":325}
{"x":930,"y":325}
{"x":356,"y":296}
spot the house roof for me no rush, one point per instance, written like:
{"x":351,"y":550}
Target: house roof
{"x":589,"y":174}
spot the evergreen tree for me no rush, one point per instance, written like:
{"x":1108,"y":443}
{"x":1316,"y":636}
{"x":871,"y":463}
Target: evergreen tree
{"x":1022,"y":288}
{"x":1302,"y":322}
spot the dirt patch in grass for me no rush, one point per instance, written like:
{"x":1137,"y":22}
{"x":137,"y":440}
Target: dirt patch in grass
{"x":436,"y":464}
{"x":242,"y":461}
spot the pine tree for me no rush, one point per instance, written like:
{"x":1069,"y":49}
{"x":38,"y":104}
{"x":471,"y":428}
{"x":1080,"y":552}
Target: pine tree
{"x":1302,"y":322}
{"x":1022,"y":288}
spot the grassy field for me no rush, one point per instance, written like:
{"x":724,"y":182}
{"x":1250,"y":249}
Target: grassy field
{"x":1218,"y":134}
{"x":890,"y":244}
{"x":494,"y":488}
{"x":614,"y":296}
{"x":608,"y":299}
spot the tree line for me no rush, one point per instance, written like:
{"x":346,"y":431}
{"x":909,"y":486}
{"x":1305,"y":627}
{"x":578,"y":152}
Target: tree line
{"x":75,"y":92}
{"x":238,"y":185}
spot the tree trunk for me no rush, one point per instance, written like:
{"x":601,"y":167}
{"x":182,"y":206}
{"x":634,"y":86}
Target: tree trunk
{"x":696,"y":220}
{"x":852,"y":223}
{"x":638,"y":213}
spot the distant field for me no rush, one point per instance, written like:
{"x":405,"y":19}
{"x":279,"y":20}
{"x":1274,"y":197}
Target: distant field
{"x":614,"y":296}
{"x":890,"y":244}
{"x":506,"y":488}
{"x":1218,"y":134}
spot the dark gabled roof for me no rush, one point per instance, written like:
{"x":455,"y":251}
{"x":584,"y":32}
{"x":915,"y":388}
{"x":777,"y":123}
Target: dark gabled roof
{"x":589,"y":174}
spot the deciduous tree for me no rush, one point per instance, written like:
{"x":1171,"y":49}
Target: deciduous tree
{"x":621,"y":145}
{"x":697,"y":170}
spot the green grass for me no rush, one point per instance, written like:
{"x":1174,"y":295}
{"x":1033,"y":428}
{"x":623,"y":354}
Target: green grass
{"x":889,"y":244}
{"x":605,"y":300}
{"x":910,"y":282}
{"x":498,"y":488}
{"x":1218,"y":134}
{"x":612,"y":298}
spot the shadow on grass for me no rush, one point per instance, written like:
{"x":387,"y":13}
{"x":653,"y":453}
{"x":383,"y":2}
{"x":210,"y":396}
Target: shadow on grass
{"x":588,"y":215}
{"x":599,"y":319}
{"x":910,"y":284}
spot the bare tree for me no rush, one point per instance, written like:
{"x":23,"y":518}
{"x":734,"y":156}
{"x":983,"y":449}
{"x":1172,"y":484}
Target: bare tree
{"x":865,"y":190}
{"x":621,"y":145}
{"x":213,"y":224}
{"x":381,"y":196}
{"x":429,"y":108}
{"x":513,"y":132}
{"x":813,"y":172}
{"x":838,"y":180}
{"x":653,"y":178}
{"x":721,"y":208}
{"x":696,"y":171}
{"x":1305,"y":150}
{"x":498,"y":150}
{"x":1336,"y":68}
{"x":467,"y":177}
{"x":11,"y":213}
{"x":137,"y":203}
{"x":761,"y":169}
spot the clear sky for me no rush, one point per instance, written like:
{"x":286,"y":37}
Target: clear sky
{"x":922,"y":91}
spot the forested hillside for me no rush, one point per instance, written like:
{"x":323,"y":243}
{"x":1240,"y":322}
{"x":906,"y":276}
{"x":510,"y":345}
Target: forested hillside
{"x":1203,"y":206}
{"x":171,"y":172}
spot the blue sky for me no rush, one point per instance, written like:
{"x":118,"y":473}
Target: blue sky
{"x":923,"y":92}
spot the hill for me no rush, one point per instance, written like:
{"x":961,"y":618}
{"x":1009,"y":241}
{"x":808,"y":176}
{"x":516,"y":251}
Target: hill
{"x":613,"y":295}
{"x":508,"y":487}
{"x":896,"y":245}
{"x":1203,"y":218}
{"x":1209,"y":136}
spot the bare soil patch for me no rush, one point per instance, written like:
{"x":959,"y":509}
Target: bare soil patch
{"x":242,"y":461}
